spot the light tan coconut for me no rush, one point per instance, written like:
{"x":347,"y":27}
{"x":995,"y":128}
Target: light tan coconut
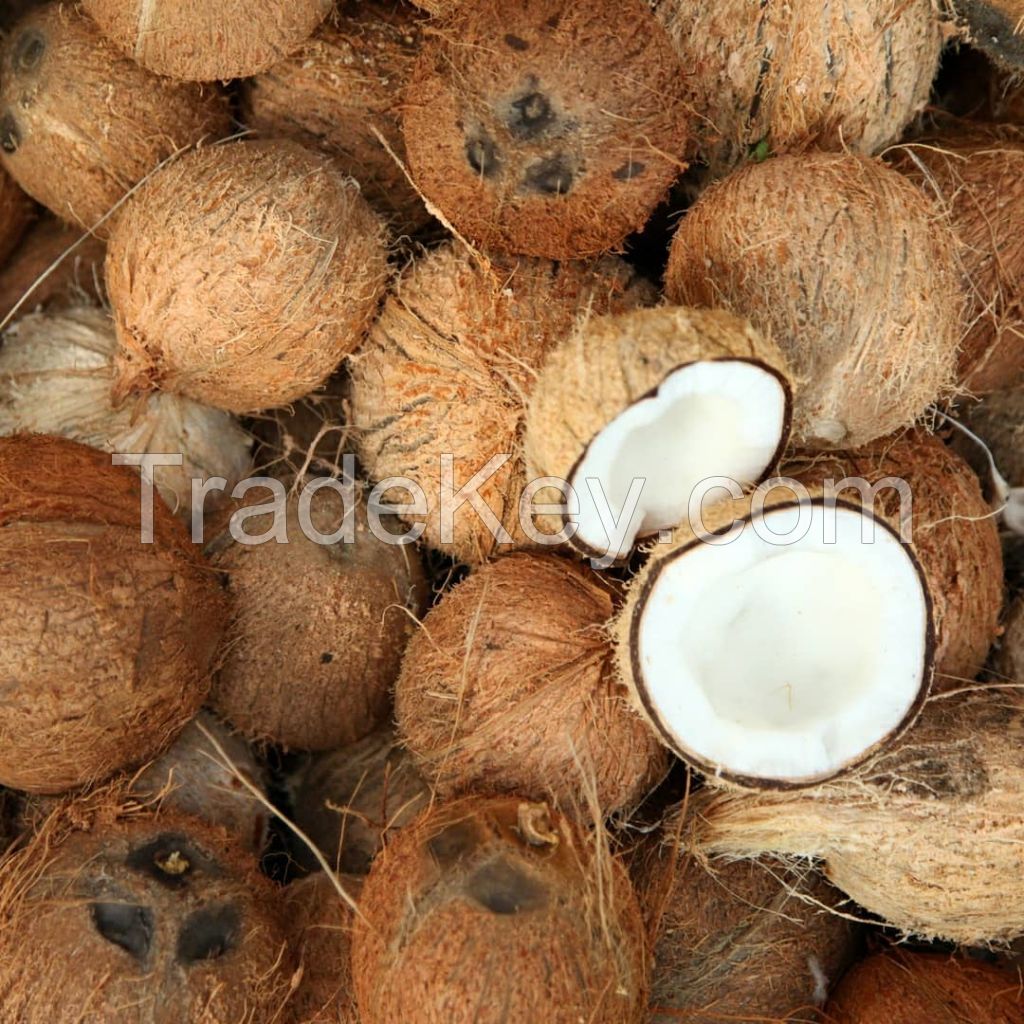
{"x":492,"y":910}
{"x":996,"y":26}
{"x":81,"y":124}
{"x":848,"y":269}
{"x":205,"y":40}
{"x":447,"y":371}
{"x":437,"y":7}
{"x":345,"y":84}
{"x":547,"y":128}
{"x":15,"y":213}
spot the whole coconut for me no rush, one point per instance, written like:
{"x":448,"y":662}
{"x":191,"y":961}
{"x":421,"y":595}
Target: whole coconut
{"x":107,"y":641}
{"x":547,"y":128}
{"x":80,"y":124}
{"x":241,"y":275}
{"x":15,"y":214}
{"x":448,"y":369}
{"x":206,"y":40}
{"x":997,"y":26}
{"x":488,"y":911}
{"x":850,"y":271}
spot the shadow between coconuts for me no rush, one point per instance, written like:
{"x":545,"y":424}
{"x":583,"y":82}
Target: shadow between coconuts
{"x":638,"y":687}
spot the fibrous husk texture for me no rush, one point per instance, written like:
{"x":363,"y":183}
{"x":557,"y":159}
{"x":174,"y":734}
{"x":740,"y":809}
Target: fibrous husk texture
{"x":997,"y":26}
{"x":448,"y":369}
{"x":849,"y":269}
{"x":1010,"y":658}
{"x":547,"y":128}
{"x":929,"y":835}
{"x":15,"y":213}
{"x":107,"y":641}
{"x":242,"y":274}
{"x":345,"y":83}
{"x":492,"y":910}
{"x":207,"y":40}
{"x":56,"y":375}
{"x":509,"y":686}
{"x":318,"y":629}
{"x":847,"y":77}
{"x":80,"y":124}
{"x":954,"y":535}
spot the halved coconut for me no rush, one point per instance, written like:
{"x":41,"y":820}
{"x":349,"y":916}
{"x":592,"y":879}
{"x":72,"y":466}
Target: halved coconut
{"x":779,"y":646}
{"x":662,"y":397}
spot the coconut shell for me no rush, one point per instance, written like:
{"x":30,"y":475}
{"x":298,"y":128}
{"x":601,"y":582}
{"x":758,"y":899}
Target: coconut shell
{"x":492,"y":910}
{"x":849,"y":269}
{"x":81,"y":124}
{"x":448,"y":368}
{"x":241,"y":275}
{"x":207,"y":40}
{"x":996,"y":26}
{"x":547,"y":128}
{"x":15,"y":214}
{"x":509,"y":687}
{"x":926,"y":988}
{"x":107,"y":641}
{"x":346,"y":82}
{"x":318,"y":629}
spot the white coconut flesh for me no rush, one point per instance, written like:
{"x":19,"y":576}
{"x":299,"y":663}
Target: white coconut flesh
{"x":784,"y":661}
{"x":713,"y":418}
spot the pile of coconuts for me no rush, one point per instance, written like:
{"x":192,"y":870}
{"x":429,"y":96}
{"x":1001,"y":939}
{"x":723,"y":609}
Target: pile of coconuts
{"x":511,"y":511}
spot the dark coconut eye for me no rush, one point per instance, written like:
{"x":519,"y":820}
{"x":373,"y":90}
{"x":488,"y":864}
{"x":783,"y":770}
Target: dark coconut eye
{"x":208,"y":934}
{"x":29,"y":51}
{"x":531,"y":115}
{"x":503,"y":888}
{"x":126,"y":925}
{"x":453,"y":843}
{"x":553,"y":176}
{"x":168,"y":860}
{"x":10,"y":136}
{"x":482,"y":155}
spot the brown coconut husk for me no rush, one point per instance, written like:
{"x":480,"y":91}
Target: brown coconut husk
{"x":509,"y":687}
{"x":345,"y":82}
{"x":846,"y":79}
{"x":926,"y":988}
{"x":437,"y":7}
{"x":318,"y":630}
{"x":1009,"y":661}
{"x":493,"y":910}
{"x":207,"y":40}
{"x":241,"y":275}
{"x":108,"y":642}
{"x":351,"y":801}
{"x":83,"y":124}
{"x":448,"y":369}
{"x":15,"y":214}
{"x":998,"y":419}
{"x":849,"y":269}
{"x":544,"y":128}
{"x":996,"y":26}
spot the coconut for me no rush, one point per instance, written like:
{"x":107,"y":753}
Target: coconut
{"x":241,"y":275}
{"x":437,"y":7}
{"x":669,"y":396}
{"x":900,"y":985}
{"x":81,"y":124}
{"x":996,"y":26}
{"x":56,"y":372}
{"x":158,"y":921}
{"x":319,"y":623}
{"x":447,"y":370}
{"x":509,"y":687}
{"x":345,"y":84}
{"x":849,"y":269}
{"x":494,"y":910}
{"x":1010,"y":659}
{"x":845,"y":78}
{"x":999,"y":421}
{"x":15,"y":213}
{"x":547,"y":128}
{"x":351,"y":801}
{"x":107,"y":641}
{"x":207,"y":40}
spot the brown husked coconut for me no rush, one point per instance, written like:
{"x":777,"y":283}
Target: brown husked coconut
{"x":547,"y":128}
{"x":351,"y":801}
{"x":207,"y":40}
{"x":667,"y":396}
{"x":152,"y":921}
{"x":1009,"y":661}
{"x":447,"y":371}
{"x":929,"y":835}
{"x":80,"y":124}
{"x":998,"y":419}
{"x":56,"y":373}
{"x":15,"y":213}
{"x":749,"y":941}
{"x":510,"y":687}
{"x":996,"y":26}
{"x":848,"y":269}
{"x":926,"y":988}
{"x":846,"y":77}
{"x":346,"y":82}
{"x":241,"y":275}
{"x":486,"y":911}
{"x":319,"y":623}
{"x":437,"y":7}
{"x":955,"y":536}
{"x":106,"y":642}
